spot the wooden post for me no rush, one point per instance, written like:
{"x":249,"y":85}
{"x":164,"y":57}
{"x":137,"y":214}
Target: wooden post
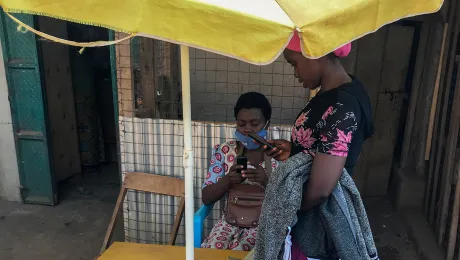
{"x":455,"y":211}
{"x":432,"y":181}
{"x":449,"y":155}
{"x":415,"y":89}
{"x":147,"y":100}
{"x":435,"y":96}
{"x":124,"y":77}
{"x":437,"y":157}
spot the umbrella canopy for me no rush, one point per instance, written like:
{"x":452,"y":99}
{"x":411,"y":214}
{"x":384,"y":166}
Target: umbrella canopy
{"x":255,"y":31}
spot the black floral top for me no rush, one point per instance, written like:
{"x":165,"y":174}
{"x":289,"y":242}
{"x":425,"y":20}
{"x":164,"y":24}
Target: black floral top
{"x":331,"y":123}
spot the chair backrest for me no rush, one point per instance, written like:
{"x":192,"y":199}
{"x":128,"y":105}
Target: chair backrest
{"x":152,"y":183}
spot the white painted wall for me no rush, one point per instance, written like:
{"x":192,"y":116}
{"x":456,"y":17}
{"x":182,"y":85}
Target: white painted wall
{"x":9,"y":173}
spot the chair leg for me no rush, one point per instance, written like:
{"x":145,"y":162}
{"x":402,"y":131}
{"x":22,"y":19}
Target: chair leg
{"x":177,"y":221}
{"x":116,"y":211}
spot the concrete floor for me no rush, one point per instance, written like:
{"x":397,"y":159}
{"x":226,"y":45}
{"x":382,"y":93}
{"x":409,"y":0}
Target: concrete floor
{"x":75,"y":228}
{"x":72,"y":230}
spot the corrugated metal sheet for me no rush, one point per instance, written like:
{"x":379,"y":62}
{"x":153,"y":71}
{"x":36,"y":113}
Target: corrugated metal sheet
{"x":155,"y":146}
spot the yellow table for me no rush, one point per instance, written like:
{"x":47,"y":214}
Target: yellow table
{"x":131,"y":251}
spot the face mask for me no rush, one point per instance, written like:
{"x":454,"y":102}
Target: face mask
{"x":247,"y":141}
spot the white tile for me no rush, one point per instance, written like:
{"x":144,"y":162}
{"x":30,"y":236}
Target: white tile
{"x":287,"y":102}
{"x":278,"y":67}
{"x":210,"y":76}
{"x":233,"y":88}
{"x":210,"y":87}
{"x":267,"y":68}
{"x":288,"y":80}
{"x":288,"y":91}
{"x":233,"y":77}
{"x":254,"y":68}
{"x":254,"y":88}
{"x":267,"y":79}
{"x":266,"y":90}
{"x":244,"y":67}
{"x":233,"y":65}
{"x":276,"y":113}
{"x":277,"y":91}
{"x":278,"y":79}
{"x":254,"y":78}
{"x":211,"y":64}
{"x":243,"y":78}
{"x":287,"y":68}
{"x":222,"y":64}
{"x":200,"y":64}
{"x":201,"y":76}
{"x":276,"y":101}
{"x":200,"y":54}
{"x":222,"y":76}
{"x":210,"y":55}
{"x":300,"y":92}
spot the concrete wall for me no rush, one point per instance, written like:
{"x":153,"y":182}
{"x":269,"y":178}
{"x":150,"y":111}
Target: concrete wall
{"x":9,"y":173}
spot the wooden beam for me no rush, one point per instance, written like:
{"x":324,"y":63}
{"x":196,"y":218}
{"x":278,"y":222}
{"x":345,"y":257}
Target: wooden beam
{"x":124,"y":76}
{"x":449,"y":155}
{"x":437,"y":157}
{"x":453,"y":232}
{"x":435,"y":96}
{"x":147,"y":100}
{"x":415,"y":89}
{"x":177,"y":221}
{"x":158,"y":184}
{"x":116,"y":212}
{"x":432,"y":181}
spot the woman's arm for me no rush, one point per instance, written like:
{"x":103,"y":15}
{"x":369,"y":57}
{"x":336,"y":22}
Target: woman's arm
{"x":339,"y":125}
{"x":212,"y":193}
{"x":217,"y":183}
{"x":324,"y":175}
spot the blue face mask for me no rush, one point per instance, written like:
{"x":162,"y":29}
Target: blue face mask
{"x":248,"y":142}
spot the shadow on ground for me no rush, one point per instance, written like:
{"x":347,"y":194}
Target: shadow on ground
{"x":74,"y":229}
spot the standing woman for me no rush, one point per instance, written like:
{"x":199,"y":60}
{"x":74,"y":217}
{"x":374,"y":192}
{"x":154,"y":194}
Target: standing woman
{"x":332,"y":127}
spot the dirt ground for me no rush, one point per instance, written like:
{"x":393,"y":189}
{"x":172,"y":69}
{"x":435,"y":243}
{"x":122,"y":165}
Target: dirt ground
{"x":74,"y":229}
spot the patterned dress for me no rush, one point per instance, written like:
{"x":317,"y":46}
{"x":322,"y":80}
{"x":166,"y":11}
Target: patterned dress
{"x":327,"y":125}
{"x":224,"y":235}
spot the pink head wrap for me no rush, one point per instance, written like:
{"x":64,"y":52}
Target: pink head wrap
{"x":294,"y":45}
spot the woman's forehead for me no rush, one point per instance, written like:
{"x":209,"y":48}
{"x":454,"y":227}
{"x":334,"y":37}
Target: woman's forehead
{"x":250,"y":114}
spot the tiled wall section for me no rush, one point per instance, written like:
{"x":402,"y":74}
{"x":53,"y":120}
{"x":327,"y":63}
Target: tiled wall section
{"x":218,"y":81}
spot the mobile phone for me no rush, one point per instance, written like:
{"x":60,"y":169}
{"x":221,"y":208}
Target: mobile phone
{"x":243,"y":161}
{"x":260,"y":140}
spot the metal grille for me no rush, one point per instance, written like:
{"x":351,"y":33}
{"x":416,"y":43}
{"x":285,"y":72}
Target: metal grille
{"x":151,"y":132}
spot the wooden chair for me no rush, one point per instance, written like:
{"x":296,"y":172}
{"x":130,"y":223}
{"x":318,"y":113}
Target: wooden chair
{"x":153,"y":183}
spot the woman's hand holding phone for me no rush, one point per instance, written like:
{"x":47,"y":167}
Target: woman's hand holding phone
{"x":281,"y":151}
{"x":256,"y":173}
{"x":235,"y":175}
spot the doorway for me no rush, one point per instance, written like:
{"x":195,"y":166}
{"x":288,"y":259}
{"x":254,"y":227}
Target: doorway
{"x":80,"y":112}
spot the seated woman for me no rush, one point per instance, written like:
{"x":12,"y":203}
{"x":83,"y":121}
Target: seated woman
{"x":252,"y":113}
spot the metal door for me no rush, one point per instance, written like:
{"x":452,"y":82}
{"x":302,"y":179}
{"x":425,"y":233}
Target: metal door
{"x":25,"y":93}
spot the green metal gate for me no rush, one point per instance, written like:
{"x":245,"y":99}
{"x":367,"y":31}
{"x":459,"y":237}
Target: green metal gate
{"x":28,"y":111}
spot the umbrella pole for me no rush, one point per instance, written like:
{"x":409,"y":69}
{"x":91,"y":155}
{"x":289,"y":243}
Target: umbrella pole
{"x":188,"y":152}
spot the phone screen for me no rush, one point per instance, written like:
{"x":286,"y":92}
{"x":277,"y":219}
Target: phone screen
{"x":243,"y":161}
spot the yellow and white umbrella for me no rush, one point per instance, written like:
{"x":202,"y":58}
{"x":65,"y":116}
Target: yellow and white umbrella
{"x":255,"y":31}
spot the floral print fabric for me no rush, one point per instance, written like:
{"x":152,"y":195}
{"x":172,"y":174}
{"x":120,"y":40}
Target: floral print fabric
{"x":326,"y":125}
{"x":224,"y":235}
